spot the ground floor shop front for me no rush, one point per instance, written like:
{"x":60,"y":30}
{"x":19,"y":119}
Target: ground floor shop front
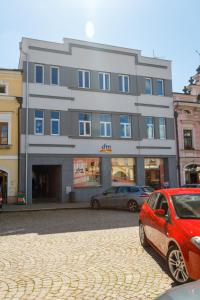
{"x":53,"y":177}
{"x":9,"y":179}
{"x":190,"y":170}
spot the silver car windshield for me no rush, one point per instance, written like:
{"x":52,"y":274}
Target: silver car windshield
{"x":187,"y":206}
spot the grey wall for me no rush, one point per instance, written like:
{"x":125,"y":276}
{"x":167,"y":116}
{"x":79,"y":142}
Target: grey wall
{"x":69,"y":124}
{"x":69,"y":78}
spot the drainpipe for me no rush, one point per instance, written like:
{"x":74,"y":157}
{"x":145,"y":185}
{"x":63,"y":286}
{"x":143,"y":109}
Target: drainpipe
{"x":177,"y":148}
{"x":27,"y":127}
{"x":19,"y":100}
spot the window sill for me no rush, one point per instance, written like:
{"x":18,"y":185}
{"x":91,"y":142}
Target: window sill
{"x":5,"y":146}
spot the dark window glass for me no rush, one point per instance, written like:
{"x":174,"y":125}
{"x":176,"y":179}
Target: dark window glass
{"x":159,"y":87}
{"x":39,"y":74}
{"x":187,"y":139}
{"x":80,"y":78}
{"x":2,"y":89}
{"x":3,"y":133}
{"x":87,"y":80}
{"x":120,"y":84}
{"x":101,"y":81}
{"x":54,"y":75}
{"x":148,"y":86}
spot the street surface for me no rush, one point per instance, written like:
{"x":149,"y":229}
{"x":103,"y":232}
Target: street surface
{"x":77,"y":254}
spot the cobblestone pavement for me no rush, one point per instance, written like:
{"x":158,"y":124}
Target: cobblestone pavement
{"x":77,"y":254}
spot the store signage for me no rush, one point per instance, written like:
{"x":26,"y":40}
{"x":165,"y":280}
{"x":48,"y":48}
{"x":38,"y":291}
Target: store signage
{"x":105,"y":149}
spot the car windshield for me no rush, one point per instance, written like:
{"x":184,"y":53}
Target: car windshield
{"x":187,"y":206}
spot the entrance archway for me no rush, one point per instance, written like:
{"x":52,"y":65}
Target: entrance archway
{"x":192,"y":174}
{"x":3,"y":183}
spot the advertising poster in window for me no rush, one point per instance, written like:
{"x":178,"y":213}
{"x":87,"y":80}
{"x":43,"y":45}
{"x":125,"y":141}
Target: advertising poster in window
{"x":86,"y":172}
{"x":123,"y":171}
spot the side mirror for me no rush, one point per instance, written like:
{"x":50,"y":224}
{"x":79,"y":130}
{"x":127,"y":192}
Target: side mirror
{"x":159,"y":212}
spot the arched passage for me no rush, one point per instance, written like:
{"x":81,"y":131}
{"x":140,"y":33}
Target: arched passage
{"x":4,"y":183}
{"x":192,"y":174}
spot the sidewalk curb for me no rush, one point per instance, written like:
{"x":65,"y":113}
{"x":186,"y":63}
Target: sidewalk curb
{"x":41,"y":209}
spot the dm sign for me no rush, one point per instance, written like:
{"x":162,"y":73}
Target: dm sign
{"x":105,"y":149}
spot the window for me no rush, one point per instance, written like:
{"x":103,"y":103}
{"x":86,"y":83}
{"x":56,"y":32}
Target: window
{"x":124,"y":83}
{"x":162,"y":203}
{"x":150,"y":127}
{"x":3,"y":133}
{"x":104,"y":81}
{"x":3,"y":89}
{"x":55,"y":75}
{"x":187,"y":139}
{"x":152,"y":200}
{"x":55,"y":123}
{"x":84,"y":79}
{"x":123,"y":171}
{"x":154,"y":172}
{"x":39,"y":122}
{"x":84,"y":124}
{"x":148,"y":86}
{"x":39,"y":74}
{"x":162,"y":128}
{"x":159,"y":87}
{"x":105,"y":125}
{"x":86,"y":172}
{"x":125,"y":126}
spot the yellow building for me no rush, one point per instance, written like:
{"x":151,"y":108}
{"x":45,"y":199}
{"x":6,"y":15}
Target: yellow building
{"x":10,"y":103}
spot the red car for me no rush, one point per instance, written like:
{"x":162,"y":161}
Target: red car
{"x":170,"y":222}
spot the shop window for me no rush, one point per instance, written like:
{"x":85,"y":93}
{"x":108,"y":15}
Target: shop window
{"x":154,"y":172}
{"x":86,"y":172}
{"x":123,"y":171}
{"x":3,"y":133}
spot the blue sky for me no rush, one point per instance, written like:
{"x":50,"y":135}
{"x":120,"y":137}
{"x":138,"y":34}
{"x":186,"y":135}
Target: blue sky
{"x":167,"y":28}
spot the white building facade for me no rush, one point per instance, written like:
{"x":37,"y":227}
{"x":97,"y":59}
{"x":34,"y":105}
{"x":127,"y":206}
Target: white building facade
{"x":93,"y":116}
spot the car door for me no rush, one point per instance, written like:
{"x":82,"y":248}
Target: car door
{"x":121,"y":196}
{"x":160,"y":224}
{"x":148,"y":215}
{"x":108,"y":196}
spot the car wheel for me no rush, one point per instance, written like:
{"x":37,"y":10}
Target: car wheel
{"x":95,"y":204}
{"x":132,"y":206}
{"x":176,"y":266}
{"x":143,"y":239}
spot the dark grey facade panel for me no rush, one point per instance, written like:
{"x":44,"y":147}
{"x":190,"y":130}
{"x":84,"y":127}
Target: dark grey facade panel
{"x":170,"y":128}
{"x":135,"y":127}
{"x":95,"y":124}
{"x":168,"y":88}
{"x":154,"y":86}
{"x":142,"y":128}
{"x":156,"y":128}
{"x":47,"y":74}
{"x":115,"y":126}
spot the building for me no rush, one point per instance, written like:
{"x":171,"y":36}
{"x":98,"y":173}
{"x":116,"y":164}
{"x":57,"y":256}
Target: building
{"x":187,"y":107}
{"x":98,"y":115}
{"x":10,"y":102}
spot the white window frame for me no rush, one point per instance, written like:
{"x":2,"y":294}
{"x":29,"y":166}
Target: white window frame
{"x":151,"y":125}
{"x":148,"y":78}
{"x":164,"y":126}
{"x":83,"y":72}
{"x":162,"y":87}
{"x":104,"y":81}
{"x":39,"y":65}
{"x":105,"y":129}
{"x":125,"y":125}
{"x":2,"y":82}
{"x":123,"y":83}
{"x":84,"y":127}
{"x":39,"y":119}
{"x":53,"y":119}
{"x":54,"y":67}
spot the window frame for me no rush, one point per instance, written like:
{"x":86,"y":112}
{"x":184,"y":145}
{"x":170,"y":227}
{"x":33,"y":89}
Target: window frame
{"x":83,"y":72}
{"x":40,"y":119}
{"x":105,"y":123}
{"x":104,"y":81}
{"x":153,"y":126}
{"x":7,"y":137}
{"x":161,"y":80}
{"x":58,"y":120}
{"x":54,"y":67}
{"x":39,"y":65}
{"x":84,"y":125}
{"x":125,"y":125}
{"x":192,"y":142}
{"x":123,"y":76}
{"x":6,"y":88}
{"x":164,"y":126}
{"x":150,"y":79}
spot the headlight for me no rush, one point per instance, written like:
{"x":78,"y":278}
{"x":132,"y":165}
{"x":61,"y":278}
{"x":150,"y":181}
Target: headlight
{"x":196,"y":241}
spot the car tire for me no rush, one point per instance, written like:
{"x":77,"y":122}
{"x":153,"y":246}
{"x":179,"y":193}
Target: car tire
{"x":132,"y":206}
{"x":176,"y":266}
{"x":95,"y":204}
{"x":142,"y":235}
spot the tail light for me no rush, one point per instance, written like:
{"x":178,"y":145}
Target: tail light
{"x":144,"y":195}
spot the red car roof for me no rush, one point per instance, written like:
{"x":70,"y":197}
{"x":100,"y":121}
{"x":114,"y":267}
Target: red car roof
{"x":180,"y":191}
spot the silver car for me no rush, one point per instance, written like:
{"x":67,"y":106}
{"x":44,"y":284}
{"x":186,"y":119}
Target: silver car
{"x":130,"y":197}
